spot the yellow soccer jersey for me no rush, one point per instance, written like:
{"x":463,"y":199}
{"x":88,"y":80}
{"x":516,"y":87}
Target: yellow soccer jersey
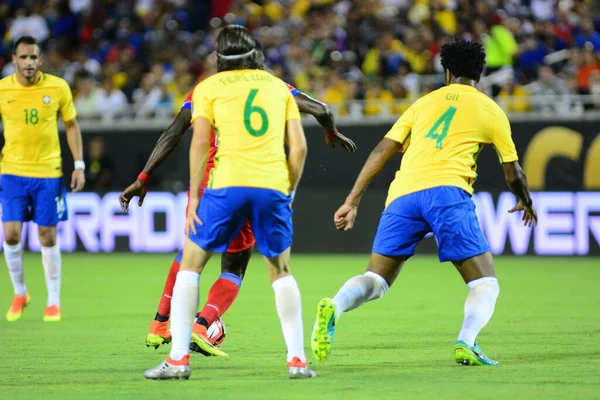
{"x":30,"y":117}
{"x":442,"y":134}
{"x":249,"y":110}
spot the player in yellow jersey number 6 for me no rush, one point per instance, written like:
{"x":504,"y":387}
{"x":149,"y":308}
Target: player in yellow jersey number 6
{"x":32,"y":183}
{"x":254,"y":115}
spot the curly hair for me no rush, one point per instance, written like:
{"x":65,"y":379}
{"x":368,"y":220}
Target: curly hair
{"x":463,"y":58}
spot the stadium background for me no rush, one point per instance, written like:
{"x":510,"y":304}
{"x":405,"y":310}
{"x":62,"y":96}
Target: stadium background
{"x":131,"y":63}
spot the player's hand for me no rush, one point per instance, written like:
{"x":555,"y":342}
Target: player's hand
{"x":77,"y":180}
{"x":192,"y":217}
{"x":529,"y":213}
{"x":344,"y":217}
{"x":341,"y":140}
{"x":137,"y":188}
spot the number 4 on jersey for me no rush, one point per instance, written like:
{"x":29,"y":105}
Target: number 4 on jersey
{"x":444,"y":121}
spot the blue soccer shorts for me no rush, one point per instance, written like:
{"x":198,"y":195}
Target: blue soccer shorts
{"x":41,"y":200}
{"x":446,"y":211}
{"x":223,"y":212}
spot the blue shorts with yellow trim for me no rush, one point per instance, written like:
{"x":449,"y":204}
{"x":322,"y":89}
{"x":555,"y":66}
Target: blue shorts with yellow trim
{"x":446,"y":211}
{"x":223,"y":212}
{"x":41,"y":200}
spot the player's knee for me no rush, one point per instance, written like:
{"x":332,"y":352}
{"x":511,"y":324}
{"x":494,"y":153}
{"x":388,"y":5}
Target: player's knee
{"x":12,"y":238}
{"x":380,"y":285}
{"x":487,"y":286}
{"x":47,"y":237}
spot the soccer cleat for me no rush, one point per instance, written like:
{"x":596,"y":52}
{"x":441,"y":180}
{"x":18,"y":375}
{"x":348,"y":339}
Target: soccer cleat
{"x":52,"y":314}
{"x":16,"y":308}
{"x":298,"y":370}
{"x":158,"y":334}
{"x":321,"y":338}
{"x":202,"y":344}
{"x":171,"y":369}
{"x":467,"y":355}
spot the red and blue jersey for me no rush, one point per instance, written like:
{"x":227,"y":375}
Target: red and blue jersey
{"x":187,"y":105}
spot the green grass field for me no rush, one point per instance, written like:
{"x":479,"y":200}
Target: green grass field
{"x":545,"y":333}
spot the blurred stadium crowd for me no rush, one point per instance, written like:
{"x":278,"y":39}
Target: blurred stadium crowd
{"x":140,"y":58}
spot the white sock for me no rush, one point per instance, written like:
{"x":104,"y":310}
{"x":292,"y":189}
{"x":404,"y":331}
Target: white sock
{"x":358,"y":290}
{"x":289,"y":309}
{"x":52,"y":268}
{"x":184,"y":305}
{"x":479,"y":308}
{"x":14,"y":261}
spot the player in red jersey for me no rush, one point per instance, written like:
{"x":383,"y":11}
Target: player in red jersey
{"x":235,"y":260}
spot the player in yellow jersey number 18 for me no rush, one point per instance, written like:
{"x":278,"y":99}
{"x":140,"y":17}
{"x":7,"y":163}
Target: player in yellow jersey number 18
{"x":32,"y":183}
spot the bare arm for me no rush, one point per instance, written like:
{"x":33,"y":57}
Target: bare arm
{"x":317,"y":109}
{"x":346,"y":214}
{"x":380,"y":155}
{"x":199,"y":149}
{"x":74,"y":139}
{"x":75,"y":143}
{"x":168,"y":141}
{"x":325,"y":118}
{"x":517,"y":183}
{"x":297,"y":151}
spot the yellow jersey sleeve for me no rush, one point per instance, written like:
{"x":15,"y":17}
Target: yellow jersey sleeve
{"x":503,"y":143}
{"x":66,"y":105}
{"x":401,"y":130}
{"x":201,"y":104}
{"x":292,"y":108}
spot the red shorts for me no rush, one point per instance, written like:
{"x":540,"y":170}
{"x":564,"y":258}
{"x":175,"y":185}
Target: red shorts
{"x":244,"y":239}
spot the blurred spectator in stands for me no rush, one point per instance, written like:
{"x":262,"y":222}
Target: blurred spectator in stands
{"x":82,"y":62}
{"x":183,"y":85}
{"x":550,"y":89}
{"x":113,"y":102}
{"x":29,"y":22}
{"x":589,"y":66}
{"x":530,"y":56}
{"x":378,"y":100}
{"x":588,"y":34}
{"x":400,"y":94}
{"x":499,"y":42}
{"x":146,"y":96}
{"x":336,"y":93}
{"x":513,"y":98}
{"x":543,"y":10}
{"x":54,"y":63}
{"x":87,"y":101}
{"x":376,"y":60}
{"x":99,"y":166}
{"x":595,"y":89}
{"x":164,"y":106}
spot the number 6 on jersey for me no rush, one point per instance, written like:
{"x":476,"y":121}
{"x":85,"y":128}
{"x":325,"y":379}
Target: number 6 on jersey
{"x":249,"y":109}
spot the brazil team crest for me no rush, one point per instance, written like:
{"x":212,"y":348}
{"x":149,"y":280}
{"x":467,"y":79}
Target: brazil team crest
{"x":46,"y":99}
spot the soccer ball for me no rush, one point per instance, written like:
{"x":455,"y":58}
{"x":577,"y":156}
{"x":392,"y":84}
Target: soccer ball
{"x":216,"y":332}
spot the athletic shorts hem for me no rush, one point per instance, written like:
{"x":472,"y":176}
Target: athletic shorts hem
{"x":467,"y":256}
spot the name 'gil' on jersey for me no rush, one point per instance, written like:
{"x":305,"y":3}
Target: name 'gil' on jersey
{"x":249,"y":110}
{"x":30,"y":117}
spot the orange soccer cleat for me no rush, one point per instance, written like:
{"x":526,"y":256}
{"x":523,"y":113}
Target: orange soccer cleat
{"x":201,"y":343}
{"x":16,"y":308}
{"x":158,"y":334}
{"x":52,"y":314}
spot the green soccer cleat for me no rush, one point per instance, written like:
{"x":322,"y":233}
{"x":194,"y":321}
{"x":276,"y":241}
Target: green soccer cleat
{"x":321,"y":338}
{"x":467,"y":355}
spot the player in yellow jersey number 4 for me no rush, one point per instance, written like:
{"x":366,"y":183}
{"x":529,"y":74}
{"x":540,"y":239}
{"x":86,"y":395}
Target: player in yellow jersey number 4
{"x":32,"y":183}
{"x":441,"y":135}
{"x":254,"y":115}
